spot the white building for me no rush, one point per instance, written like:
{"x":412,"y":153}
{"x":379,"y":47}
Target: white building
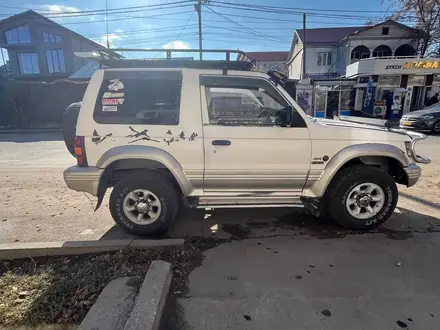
{"x":330,"y":50}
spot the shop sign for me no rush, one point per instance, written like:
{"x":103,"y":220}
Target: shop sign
{"x":389,"y":80}
{"x":421,"y":65}
{"x":416,"y":80}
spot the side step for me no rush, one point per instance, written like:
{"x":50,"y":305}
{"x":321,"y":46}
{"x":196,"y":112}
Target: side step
{"x":249,"y":201}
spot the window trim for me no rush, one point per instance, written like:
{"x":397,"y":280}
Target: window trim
{"x":57,"y":52}
{"x":243,"y":81}
{"x":133,"y":75}
{"x":33,"y":69}
{"x":323,"y":58}
{"x":27,"y":40}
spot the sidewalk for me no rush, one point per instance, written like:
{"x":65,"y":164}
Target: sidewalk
{"x":363,"y":281}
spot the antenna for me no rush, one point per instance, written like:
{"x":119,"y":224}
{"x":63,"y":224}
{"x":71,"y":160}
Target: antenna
{"x":106,"y":22}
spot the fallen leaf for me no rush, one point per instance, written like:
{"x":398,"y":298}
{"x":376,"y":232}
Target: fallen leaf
{"x":399,"y":264}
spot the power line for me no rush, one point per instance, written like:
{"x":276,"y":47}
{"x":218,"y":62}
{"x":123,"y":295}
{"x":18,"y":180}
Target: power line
{"x":238,"y":24}
{"x":132,"y":17}
{"x":180,"y":33}
{"x":103,"y":11}
{"x":300,"y":8}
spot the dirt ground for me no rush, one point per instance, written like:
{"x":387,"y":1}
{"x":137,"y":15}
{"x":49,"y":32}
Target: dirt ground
{"x":37,"y":205}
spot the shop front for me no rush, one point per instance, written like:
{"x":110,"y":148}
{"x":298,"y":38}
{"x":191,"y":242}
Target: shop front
{"x":390,"y":87}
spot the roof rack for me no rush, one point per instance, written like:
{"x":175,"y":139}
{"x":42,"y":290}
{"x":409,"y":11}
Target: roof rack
{"x":169,"y":61}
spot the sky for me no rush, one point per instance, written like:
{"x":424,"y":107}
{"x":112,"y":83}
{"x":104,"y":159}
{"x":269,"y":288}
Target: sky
{"x":246,"y":28}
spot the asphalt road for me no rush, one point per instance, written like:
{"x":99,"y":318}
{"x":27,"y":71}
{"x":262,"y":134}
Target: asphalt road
{"x":37,"y":205}
{"x":283,"y":269}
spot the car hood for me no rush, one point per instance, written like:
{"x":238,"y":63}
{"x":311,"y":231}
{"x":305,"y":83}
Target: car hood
{"x":347,"y":129}
{"x":421,"y":113}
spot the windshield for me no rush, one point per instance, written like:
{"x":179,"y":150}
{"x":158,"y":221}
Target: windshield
{"x":434,"y":107}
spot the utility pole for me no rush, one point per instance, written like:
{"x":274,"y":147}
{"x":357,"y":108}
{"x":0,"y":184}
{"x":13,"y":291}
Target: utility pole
{"x":198,"y":7}
{"x":106,"y":22}
{"x":304,"y":47}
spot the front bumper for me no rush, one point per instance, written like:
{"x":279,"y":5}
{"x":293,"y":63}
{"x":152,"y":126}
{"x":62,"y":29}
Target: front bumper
{"x":83,"y":178}
{"x":413,"y":173}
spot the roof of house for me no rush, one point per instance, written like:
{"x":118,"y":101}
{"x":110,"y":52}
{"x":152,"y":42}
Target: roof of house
{"x":267,"y":56}
{"x":328,"y":35}
{"x":33,"y":14}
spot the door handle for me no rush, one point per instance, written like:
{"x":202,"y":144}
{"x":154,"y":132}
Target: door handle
{"x":221,"y":142}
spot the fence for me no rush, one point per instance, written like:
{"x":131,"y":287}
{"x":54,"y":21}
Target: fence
{"x":25,"y":104}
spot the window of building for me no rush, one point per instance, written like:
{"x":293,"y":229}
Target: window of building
{"x":18,"y":35}
{"x":51,"y":38}
{"x":55,"y":60}
{"x":324,"y":58}
{"x":385,"y":31}
{"x":244,"y":102}
{"x":153,"y":99}
{"x":28,"y":63}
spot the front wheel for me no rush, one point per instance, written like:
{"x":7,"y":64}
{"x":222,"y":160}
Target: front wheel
{"x":144,"y":203}
{"x":436,"y":127}
{"x":362,"y":197}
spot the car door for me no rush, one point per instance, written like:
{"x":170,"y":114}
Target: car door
{"x":248,"y":147}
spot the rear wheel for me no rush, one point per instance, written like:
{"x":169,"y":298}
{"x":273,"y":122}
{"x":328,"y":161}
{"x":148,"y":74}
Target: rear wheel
{"x":436,"y":127}
{"x":362,"y":197}
{"x":144,"y":203}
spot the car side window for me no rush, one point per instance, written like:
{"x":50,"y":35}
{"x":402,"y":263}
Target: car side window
{"x":139,"y":100}
{"x":238,"y":102}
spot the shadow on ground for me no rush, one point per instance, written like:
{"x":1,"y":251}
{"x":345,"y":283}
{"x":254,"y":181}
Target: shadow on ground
{"x":268,"y":222}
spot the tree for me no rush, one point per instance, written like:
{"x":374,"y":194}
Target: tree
{"x":423,"y":15}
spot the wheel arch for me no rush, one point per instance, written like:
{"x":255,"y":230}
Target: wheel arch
{"x":389,"y":157}
{"x":119,"y":161}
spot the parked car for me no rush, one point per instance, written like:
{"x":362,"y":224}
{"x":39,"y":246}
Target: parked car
{"x":208,"y":135}
{"x":427,"y":119}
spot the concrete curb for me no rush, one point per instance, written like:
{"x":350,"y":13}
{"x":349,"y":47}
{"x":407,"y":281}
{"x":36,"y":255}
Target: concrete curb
{"x":112,"y":308}
{"x":30,"y":130}
{"x":150,"y":302}
{"x":42,"y":249}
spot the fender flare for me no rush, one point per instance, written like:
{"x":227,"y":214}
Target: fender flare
{"x":318,"y":188}
{"x":138,"y":152}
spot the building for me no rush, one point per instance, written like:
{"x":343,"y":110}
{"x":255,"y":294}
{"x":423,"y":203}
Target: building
{"x":330,"y":50}
{"x":38,"y":46}
{"x":263,"y":61}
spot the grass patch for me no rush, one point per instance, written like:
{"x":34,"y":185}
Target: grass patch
{"x":61,"y":290}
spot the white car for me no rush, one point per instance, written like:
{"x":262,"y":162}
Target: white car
{"x":209,"y":135}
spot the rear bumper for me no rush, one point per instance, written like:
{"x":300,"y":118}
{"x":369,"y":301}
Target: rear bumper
{"x":83,"y":178}
{"x":413,"y":173}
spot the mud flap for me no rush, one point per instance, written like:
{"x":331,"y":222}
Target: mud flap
{"x":102,"y":188}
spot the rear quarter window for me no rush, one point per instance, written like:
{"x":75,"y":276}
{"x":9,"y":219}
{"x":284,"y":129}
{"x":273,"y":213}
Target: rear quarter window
{"x":139,"y":99}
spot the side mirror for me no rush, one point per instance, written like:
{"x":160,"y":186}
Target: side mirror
{"x":289,"y":112}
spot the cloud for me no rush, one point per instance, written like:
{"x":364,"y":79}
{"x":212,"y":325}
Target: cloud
{"x":59,"y":9}
{"x":176,"y":44}
{"x":112,"y":38}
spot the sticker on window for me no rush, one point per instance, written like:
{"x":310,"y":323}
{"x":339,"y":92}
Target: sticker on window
{"x":115,"y":85}
{"x":109,"y":108}
{"x":120,"y":101}
{"x":109,"y":95}
{"x":110,"y":102}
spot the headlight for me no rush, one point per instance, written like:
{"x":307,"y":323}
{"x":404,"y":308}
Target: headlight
{"x":427,"y":117}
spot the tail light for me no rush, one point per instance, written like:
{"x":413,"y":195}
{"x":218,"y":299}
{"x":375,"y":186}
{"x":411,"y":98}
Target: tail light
{"x":80,"y":151}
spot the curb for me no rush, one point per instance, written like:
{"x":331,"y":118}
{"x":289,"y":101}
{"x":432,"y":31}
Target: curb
{"x":148,"y":309}
{"x":30,"y":130}
{"x":43,"y":249}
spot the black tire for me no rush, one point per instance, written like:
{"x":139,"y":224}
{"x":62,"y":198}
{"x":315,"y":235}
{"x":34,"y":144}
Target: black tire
{"x":345,"y":181}
{"x":158,"y":185}
{"x":435,"y":129}
{"x":70,"y":118}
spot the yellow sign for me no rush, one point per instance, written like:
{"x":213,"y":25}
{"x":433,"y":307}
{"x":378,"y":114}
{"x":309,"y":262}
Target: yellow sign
{"x":421,"y":65}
